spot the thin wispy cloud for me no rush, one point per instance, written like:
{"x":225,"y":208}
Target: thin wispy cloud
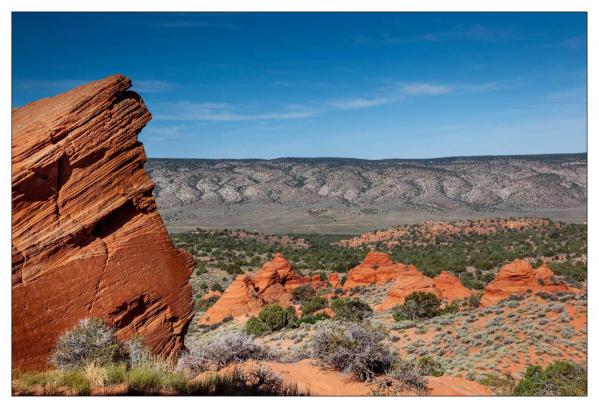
{"x":475,"y":32}
{"x":228,"y":112}
{"x":152,"y":85}
{"x":571,"y":43}
{"x":223,"y":112}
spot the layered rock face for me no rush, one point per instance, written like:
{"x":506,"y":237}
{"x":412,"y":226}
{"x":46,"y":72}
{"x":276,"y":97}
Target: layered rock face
{"x":450,"y":287}
{"x":519,"y":277}
{"x":409,"y":281}
{"x":445,"y":286}
{"x":86,"y":237}
{"x":376,"y":268}
{"x":247,"y":295}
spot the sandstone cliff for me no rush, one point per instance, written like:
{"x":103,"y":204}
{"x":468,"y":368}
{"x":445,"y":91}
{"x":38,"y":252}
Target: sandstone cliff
{"x":86,"y":237}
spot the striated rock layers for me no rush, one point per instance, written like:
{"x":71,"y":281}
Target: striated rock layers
{"x":376,"y":268}
{"x":86,"y":237}
{"x":247,"y":295}
{"x":519,"y":277}
{"x":445,"y":286}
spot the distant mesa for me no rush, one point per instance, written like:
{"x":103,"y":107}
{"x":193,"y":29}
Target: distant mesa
{"x":519,"y":277}
{"x":86,"y":237}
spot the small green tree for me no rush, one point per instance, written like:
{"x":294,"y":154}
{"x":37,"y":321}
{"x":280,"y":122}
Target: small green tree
{"x":417,"y":305}
{"x":350,"y":309}
{"x":303,"y":292}
{"x":313,"y":304}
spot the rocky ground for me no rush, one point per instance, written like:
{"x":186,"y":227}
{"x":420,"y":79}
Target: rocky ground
{"x":523,"y":316}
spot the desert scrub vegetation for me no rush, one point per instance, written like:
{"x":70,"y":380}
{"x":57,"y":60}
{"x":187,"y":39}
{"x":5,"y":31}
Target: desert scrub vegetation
{"x":270,"y":319}
{"x":256,"y":381}
{"x":314,"y":304}
{"x":94,"y":364}
{"x":91,"y":341}
{"x":220,"y":350}
{"x":356,"y":349}
{"x":421,"y":305}
{"x":351,"y":309}
{"x":561,"y":378}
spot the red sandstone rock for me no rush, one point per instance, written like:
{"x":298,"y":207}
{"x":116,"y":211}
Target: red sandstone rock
{"x":211,"y":294}
{"x":247,"y":294}
{"x":86,"y":237}
{"x":450,"y":287}
{"x":409,"y":280}
{"x":334,"y":280}
{"x":519,"y":277}
{"x":239,"y":299}
{"x":376,"y":268}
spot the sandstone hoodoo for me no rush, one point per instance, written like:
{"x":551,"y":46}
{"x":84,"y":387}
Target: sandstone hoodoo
{"x":86,"y":237}
{"x":246,"y":295}
{"x":520,"y":277}
{"x":376,"y":268}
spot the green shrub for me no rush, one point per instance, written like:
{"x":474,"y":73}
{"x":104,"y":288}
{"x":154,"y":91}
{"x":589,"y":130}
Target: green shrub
{"x":313,"y":304}
{"x":417,"y":305}
{"x":428,"y":366}
{"x":302,"y":293}
{"x":216,"y":287}
{"x":270,"y":319}
{"x":311,"y":319}
{"x":351,"y":309}
{"x":255,"y":327}
{"x":562,"y":378}
{"x":277,"y":318}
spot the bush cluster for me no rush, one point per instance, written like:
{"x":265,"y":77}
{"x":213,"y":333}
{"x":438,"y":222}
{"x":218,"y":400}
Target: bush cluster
{"x":561,"y":378}
{"x":93,"y":341}
{"x":270,"y":319}
{"x":313,"y":304}
{"x":351,"y":309}
{"x":352,"y":348}
{"x":219,"y":351}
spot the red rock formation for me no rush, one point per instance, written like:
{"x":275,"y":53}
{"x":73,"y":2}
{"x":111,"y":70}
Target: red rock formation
{"x":520,"y":277}
{"x":450,"y":287}
{"x":86,"y":237}
{"x":247,"y":294}
{"x":410,"y":280}
{"x":334,"y":280}
{"x":239,"y":299}
{"x":376,"y":268}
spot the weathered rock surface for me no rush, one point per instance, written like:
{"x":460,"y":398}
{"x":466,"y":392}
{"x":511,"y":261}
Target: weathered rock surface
{"x":376,"y":268}
{"x":86,"y":237}
{"x":409,"y":281}
{"x":248,"y":294}
{"x":451,"y":287}
{"x":519,"y":277}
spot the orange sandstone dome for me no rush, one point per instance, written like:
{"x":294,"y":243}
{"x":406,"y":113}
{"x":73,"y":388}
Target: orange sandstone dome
{"x":376,"y":268}
{"x":520,"y":277}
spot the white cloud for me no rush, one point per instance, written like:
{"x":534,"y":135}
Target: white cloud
{"x":223,"y":112}
{"x":423,"y":89}
{"x":359,"y":103}
{"x":151,"y":85}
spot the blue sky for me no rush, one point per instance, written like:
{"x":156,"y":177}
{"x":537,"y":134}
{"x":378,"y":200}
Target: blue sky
{"x":366,"y":85}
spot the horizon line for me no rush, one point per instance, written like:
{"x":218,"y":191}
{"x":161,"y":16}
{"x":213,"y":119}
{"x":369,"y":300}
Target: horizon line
{"x":482,"y":156}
